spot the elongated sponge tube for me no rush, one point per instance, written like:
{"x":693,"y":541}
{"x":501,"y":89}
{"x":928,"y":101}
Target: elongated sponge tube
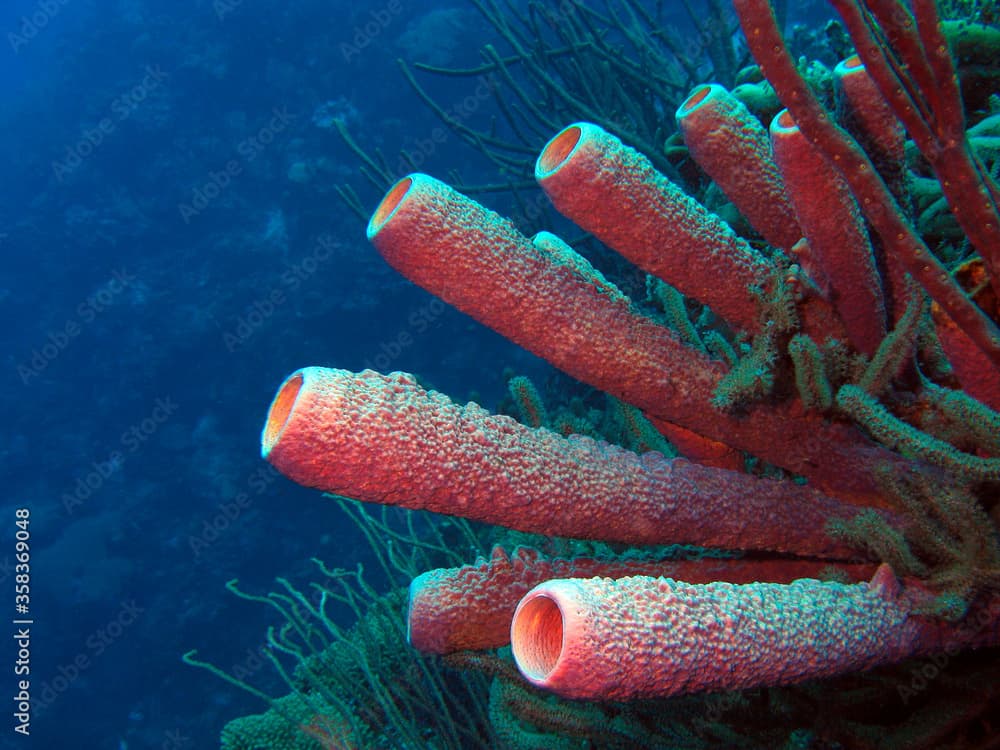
{"x":835,"y":229}
{"x":383,"y":438}
{"x":642,"y":637}
{"x":731,"y":145}
{"x":471,"y":607}
{"x":615,"y":193}
{"x":525,"y":290}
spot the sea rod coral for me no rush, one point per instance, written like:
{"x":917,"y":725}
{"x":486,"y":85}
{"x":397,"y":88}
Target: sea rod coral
{"x":851,"y":375}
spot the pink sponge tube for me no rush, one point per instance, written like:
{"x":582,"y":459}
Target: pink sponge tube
{"x":835,"y":229}
{"x":477,"y":261}
{"x":731,"y":145}
{"x":862,"y":109}
{"x":644,"y":637}
{"x":471,"y":607}
{"x":383,"y":438}
{"x":615,"y":193}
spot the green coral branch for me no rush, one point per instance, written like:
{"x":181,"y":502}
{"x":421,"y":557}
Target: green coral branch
{"x":961,"y":419}
{"x":810,"y":373}
{"x":898,"y":347}
{"x":896,"y":434}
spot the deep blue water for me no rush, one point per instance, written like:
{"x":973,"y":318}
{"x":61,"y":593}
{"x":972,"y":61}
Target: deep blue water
{"x":162,"y":272}
{"x":143,"y":342}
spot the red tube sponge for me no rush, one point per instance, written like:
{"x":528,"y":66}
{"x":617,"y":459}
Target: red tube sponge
{"x":471,"y":607}
{"x":642,"y":637}
{"x":477,"y":261}
{"x":829,"y":216}
{"x":383,"y":438}
{"x":615,"y":193}
{"x":864,"y":112}
{"x":731,"y":145}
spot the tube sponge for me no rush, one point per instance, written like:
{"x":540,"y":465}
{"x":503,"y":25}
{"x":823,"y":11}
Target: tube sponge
{"x":833,"y":225}
{"x":471,"y":607}
{"x":615,"y":193}
{"x":383,"y":438}
{"x":731,"y":145}
{"x":643,"y":637}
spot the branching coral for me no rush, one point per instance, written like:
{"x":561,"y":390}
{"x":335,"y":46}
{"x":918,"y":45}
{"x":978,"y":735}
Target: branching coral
{"x":359,"y":686}
{"x":619,"y":63}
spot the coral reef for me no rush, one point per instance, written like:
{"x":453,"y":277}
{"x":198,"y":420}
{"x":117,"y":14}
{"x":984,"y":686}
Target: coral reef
{"x":825,"y":377}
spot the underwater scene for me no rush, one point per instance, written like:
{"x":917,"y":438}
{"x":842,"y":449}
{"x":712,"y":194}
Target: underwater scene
{"x":500,"y":374}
